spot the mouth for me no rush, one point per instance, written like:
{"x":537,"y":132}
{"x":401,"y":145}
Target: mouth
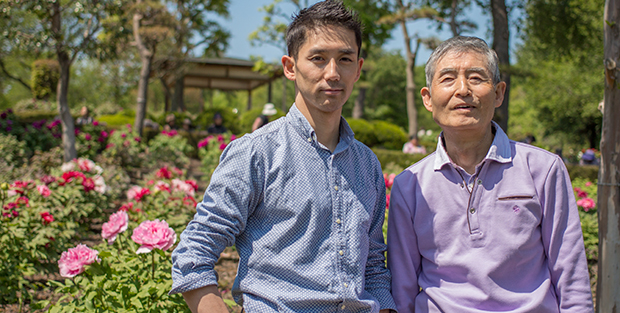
{"x":464,"y":106}
{"x":332,"y":91}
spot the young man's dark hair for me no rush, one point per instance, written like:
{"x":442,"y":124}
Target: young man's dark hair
{"x":324,"y":13}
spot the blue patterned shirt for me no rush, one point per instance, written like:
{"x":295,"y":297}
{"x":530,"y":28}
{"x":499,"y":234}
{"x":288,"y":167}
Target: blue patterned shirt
{"x":307,"y":223}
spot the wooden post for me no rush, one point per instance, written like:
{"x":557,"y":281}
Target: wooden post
{"x":608,"y":281}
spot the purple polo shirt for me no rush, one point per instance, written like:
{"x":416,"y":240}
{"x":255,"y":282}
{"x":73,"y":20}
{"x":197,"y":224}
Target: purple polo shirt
{"x":505,"y":239}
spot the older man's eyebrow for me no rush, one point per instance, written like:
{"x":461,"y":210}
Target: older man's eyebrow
{"x":447,"y":70}
{"x":479,"y":70}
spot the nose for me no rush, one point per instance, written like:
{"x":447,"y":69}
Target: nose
{"x":332,"y":72}
{"x":462,"y":87}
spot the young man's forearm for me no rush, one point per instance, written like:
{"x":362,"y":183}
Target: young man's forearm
{"x":205,"y":299}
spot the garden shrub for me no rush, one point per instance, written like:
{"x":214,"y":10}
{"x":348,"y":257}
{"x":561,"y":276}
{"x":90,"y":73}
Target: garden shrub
{"x":378,"y":133}
{"x":45,"y":76}
{"x":364,"y":131}
{"x":389,"y":136}
{"x":400,"y":159}
{"x":170,"y":148}
{"x":31,"y":104}
{"x":38,"y":136}
{"x":230,"y":120}
{"x":32,"y":116}
{"x":118,"y":120}
{"x":90,"y":139}
{"x":13,"y":150}
{"x":589,"y":172}
{"x":210,"y":149}
{"x":247,"y":118}
{"x":127,"y":151}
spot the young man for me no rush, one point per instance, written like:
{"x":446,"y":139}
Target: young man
{"x":483,"y":224}
{"x":300,"y":198}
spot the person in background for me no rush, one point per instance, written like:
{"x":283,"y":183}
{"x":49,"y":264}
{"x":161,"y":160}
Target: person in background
{"x":302,"y":200}
{"x":170,"y":122}
{"x":412,"y":146}
{"x":484,"y":223}
{"x":268,"y":110}
{"x":187,"y":124}
{"x":588,"y":158}
{"x":84,"y":117}
{"x":217,"y":127}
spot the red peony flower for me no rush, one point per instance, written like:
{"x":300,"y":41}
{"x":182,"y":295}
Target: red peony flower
{"x":164,"y":172}
{"x":89,"y":184}
{"x":126,"y":207}
{"x":189,"y":201}
{"x":47,"y":217}
{"x":22,"y":201}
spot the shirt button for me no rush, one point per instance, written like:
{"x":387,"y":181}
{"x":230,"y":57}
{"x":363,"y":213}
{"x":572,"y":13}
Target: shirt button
{"x":336,"y":187}
{"x":343,"y":306}
{"x":479,"y":181}
{"x":338,"y":221}
{"x":341,"y":252}
{"x":309,"y":139}
{"x":346,"y":285}
{"x":472,"y":210}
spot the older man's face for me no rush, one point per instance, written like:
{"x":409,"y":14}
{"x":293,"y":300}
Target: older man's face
{"x":462,"y":95}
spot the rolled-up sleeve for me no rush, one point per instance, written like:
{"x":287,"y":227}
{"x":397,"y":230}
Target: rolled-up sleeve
{"x":219,"y":218}
{"x":563,"y":242}
{"x":377,"y":276}
{"x":403,"y":254}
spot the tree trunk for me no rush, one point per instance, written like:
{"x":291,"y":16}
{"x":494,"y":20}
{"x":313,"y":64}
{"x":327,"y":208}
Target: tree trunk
{"x":358,"y":106}
{"x":143,"y":92}
{"x":177,"y":100}
{"x":167,"y":94}
{"x":501,"y":35}
{"x":146,"y":57}
{"x":412,"y":112}
{"x":68,"y":127}
{"x":453,"y":24}
{"x":608,"y":280}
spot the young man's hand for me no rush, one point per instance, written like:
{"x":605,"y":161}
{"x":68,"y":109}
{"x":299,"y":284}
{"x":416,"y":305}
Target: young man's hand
{"x":205,"y":299}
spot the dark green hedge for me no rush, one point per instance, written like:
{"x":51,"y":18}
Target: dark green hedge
{"x":378,"y":134}
{"x":35,"y":115}
{"x":589,"y":172}
{"x":403,"y":160}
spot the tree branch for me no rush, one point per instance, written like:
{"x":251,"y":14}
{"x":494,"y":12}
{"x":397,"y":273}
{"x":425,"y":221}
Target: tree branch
{"x":7,"y":74}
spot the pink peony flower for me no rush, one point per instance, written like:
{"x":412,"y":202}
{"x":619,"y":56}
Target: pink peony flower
{"x":72,"y":262}
{"x":85,"y":165}
{"x":389,"y":180}
{"x":44,"y":191}
{"x":233,"y":137}
{"x":162,"y":186}
{"x":203,"y":143}
{"x":95,"y":123}
{"x":132,"y":192}
{"x":100,"y":185}
{"x":222,"y":146}
{"x":179,"y":185}
{"x":126,"y":207}
{"x":220,"y":138}
{"x":123,"y":135}
{"x":153,"y":235}
{"x":588,"y":184}
{"x":137,"y":139}
{"x":48,"y":179}
{"x":47,"y":217}
{"x":387,"y":201}
{"x":87,"y":137}
{"x":192,"y":183}
{"x":117,"y":224}
{"x":22,"y":201}
{"x":586,"y":204}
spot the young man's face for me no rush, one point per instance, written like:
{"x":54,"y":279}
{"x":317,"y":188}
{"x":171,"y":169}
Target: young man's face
{"x":325,"y":68}
{"x":462,"y":95}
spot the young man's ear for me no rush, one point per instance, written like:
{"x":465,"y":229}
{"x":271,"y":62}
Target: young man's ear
{"x":288,"y":65}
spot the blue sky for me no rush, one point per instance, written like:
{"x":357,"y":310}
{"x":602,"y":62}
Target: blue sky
{"x":245,"y":18}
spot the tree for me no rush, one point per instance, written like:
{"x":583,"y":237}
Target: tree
{"x":151,"y":24}
{"x":501,"y":45}
{"x":68,"y":28}
{"x":373,"y":35}
{"x":562,"y":73}
{"x":450,"y":13}
{"x":194,"y":29}
{"x":401,"y":14}
{"x":607,"y":292}
{"x":273,"y":32}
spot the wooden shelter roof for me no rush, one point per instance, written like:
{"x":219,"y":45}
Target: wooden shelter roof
{"x":223,"y":74}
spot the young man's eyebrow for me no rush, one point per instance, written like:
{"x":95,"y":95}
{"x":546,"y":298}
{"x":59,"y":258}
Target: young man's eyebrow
{"x":341,"y":51}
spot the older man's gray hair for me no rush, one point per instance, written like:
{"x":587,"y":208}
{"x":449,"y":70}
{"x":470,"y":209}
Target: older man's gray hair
{"x":462,"y":44}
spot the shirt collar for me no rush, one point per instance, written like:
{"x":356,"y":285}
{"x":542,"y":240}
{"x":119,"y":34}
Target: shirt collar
{"x":305,"y":130}
{"x":499,"y":151}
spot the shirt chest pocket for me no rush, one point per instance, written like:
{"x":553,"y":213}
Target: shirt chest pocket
{"x":519,"y":214}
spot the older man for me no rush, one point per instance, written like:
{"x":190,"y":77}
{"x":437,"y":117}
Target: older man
{"x":301,"y":199}
{"x":484,"y":224}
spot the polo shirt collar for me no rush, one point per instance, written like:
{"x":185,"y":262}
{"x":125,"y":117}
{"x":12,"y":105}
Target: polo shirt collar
{"x":499,"y":151}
